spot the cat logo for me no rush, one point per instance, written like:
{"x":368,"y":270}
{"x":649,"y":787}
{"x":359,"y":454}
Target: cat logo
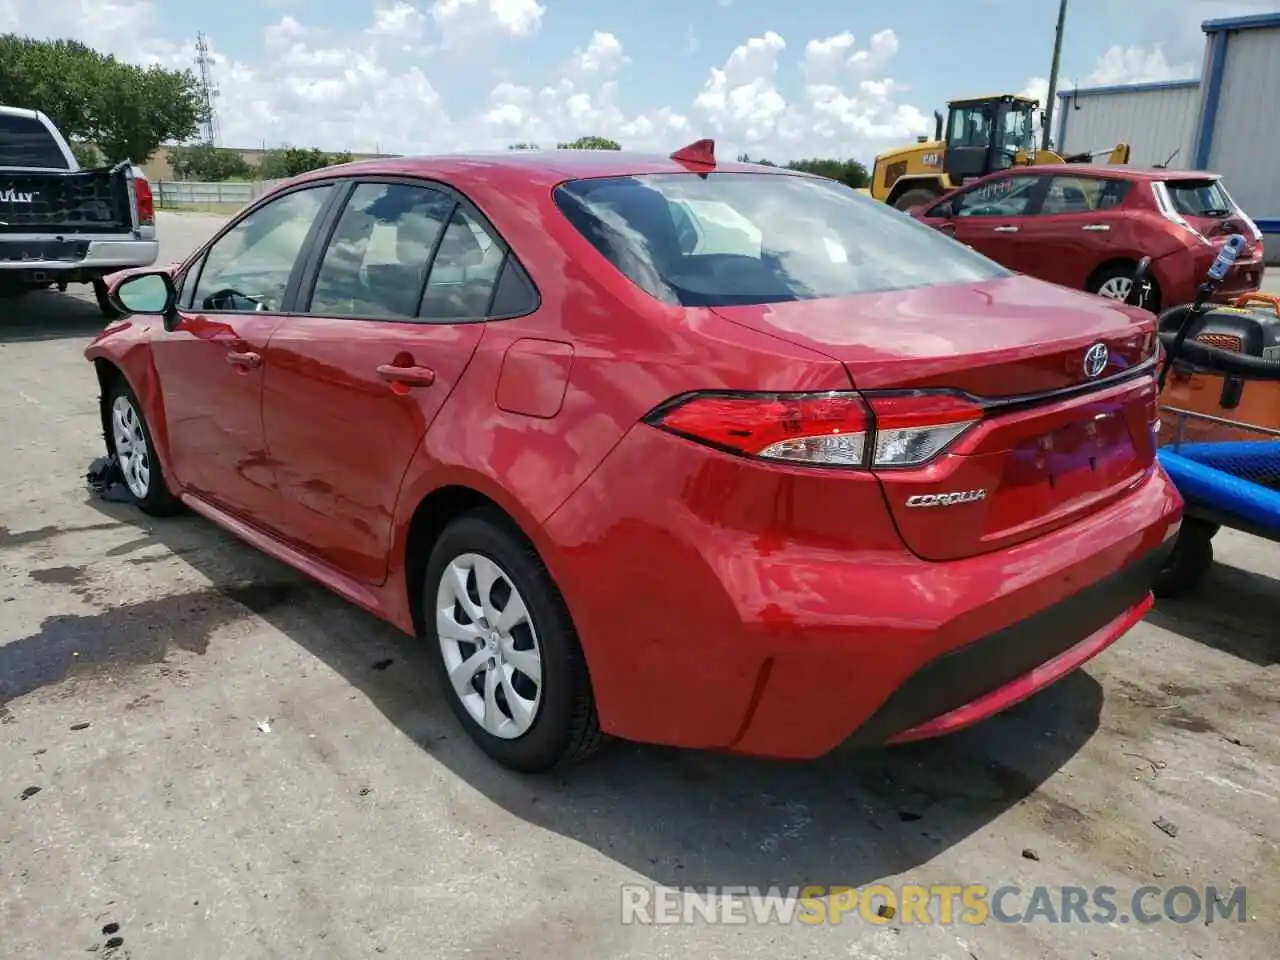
{"x":932,"y":159}
{"x":946,"y":499}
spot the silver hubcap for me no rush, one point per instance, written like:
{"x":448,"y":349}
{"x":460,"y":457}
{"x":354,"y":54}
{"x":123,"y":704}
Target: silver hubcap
{"x":1117,"y":288}
{"x":131,"y":447}
{"x":489,"y":644}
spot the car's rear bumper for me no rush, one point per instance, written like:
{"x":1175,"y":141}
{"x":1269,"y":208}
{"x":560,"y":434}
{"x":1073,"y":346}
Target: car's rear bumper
{"x":719,"y":617}
{"x":72,"y":259}
{"x":967,"y":685}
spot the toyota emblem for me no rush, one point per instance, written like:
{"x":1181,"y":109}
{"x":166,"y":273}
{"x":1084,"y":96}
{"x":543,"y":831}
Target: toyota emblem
{"x":1095,"y":360}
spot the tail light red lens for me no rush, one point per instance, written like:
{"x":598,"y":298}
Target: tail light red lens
{"x":834,"y":429}
{"x":146,"y":202}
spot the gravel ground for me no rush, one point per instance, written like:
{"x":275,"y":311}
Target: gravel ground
{"x":204,"y":756}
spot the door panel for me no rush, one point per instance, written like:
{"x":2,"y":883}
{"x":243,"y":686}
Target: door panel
{"x":211,"y":363}
{"x":1075,"y":225}
{"x":991,"y":217}
{"x":352,"y":387}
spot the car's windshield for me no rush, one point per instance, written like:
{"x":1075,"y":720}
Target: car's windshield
{"x":26,"y":142}
{"x":1199,"y":198}
{"x":740,"y":238}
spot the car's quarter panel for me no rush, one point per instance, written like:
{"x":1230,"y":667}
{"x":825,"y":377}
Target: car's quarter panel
{"x":342,"y":436}
{"x":723,"y":603}
{"x":1066,"y":248}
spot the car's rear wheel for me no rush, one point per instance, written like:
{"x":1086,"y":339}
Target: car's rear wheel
{"x":1189,"y":561}
{"x":506,"y":650}
{"x":1116,"y":283}
{"x":135,"y":453}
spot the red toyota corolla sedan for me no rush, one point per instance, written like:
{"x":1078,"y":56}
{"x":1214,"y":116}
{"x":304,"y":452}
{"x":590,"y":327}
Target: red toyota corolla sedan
{"x":711,"y":455}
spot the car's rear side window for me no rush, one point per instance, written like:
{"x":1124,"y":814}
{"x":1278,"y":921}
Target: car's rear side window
{"x":26,"y":142}
{"x":737,"y":238}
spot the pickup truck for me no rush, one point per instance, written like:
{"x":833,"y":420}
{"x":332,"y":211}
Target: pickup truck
{"x":60,"y":224}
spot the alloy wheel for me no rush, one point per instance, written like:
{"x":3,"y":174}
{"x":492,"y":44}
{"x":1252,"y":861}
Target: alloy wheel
{"x":489,"y":645}
{"x":132,"y":452}
{"x":1116,"y":288}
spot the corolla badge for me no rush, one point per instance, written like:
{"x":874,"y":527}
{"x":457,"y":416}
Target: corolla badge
{"x":1095,"y":360}
{"x":947,"y":499}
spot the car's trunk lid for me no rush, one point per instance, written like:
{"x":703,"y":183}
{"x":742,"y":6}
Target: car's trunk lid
{"x":1059,"y":439}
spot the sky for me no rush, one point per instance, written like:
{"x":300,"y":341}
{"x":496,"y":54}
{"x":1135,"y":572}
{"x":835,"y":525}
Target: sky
{"x":780,"y":79}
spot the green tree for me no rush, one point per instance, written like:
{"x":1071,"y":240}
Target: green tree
{"x":127,"y":111}
{"x":744,"y":158}
{"x":849,"y":172}
{"x":522,"y":146}
{"x":590,"y":143}
{"x":86,"y":154}
{"x":203,"y":161}
{"x":292,"y":161}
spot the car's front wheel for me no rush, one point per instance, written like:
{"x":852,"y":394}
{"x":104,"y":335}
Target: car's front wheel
{"x":505,"y":647}
{"x":135,"y":453}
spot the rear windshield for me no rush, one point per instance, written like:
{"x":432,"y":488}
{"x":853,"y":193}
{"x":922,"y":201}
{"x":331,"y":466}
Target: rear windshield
{"x":740,"y":238}
{"x":26,"y":142}
{"x":1199,"y":198}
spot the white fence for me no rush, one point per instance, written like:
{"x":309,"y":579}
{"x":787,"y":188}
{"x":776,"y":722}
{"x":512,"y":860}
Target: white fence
{"x":186,"y":193}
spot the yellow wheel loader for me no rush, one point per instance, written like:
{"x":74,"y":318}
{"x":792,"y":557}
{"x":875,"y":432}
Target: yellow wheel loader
{"x":981,"y":135}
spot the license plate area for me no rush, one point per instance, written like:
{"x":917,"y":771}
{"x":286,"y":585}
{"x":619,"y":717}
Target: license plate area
{"x":1076,"y":459}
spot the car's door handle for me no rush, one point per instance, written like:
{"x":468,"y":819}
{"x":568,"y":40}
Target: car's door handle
{"x":245,"y":359}
{"x":407,"y":376}
{"x":1096,"y":228}
{"x":1005,"y":230}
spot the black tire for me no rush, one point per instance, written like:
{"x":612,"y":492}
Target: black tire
{"x":565,"y":727}
{"x":1187,"y":565}
{"x":917,"y":196}
{"x":156,"y":500}
{"x":104,"y":302}
{"x":1124,"y":271}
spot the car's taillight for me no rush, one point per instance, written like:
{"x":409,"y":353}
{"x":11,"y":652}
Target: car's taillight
{"x":146,"y":202}
{"x":833,"y":429}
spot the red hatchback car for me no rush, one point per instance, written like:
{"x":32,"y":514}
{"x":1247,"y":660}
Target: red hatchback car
{"x":711,"y":455}
{"x":1088,"y":226}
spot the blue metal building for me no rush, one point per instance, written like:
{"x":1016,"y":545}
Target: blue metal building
{"x":1228,"y":121}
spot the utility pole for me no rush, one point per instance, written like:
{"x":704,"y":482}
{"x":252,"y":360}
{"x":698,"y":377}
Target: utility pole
{"x":1053,"y":78}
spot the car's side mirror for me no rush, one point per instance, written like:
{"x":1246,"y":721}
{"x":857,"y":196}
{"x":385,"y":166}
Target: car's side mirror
{"x":149,"y":294}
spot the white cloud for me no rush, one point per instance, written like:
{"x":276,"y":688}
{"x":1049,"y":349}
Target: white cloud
{"x":463,"y":19}
{"x":1137,"y":65}
{"x":832,"y":96}
{"x":400,"y":19}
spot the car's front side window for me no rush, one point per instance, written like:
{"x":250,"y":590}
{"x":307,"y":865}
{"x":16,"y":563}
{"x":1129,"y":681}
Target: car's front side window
{"x":1002,"y":197}
{"x":247,"y":269}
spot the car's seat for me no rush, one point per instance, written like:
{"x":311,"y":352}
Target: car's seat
{"x":1074,"y":200}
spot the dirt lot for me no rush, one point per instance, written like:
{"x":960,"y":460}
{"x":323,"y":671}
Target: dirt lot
{"x":137,"y":788}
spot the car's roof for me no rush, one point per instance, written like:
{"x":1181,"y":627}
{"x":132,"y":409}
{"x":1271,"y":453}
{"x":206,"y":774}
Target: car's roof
{"x":533,"y":167}
{"x":19,"y":112}
{"x":1114,"y":172}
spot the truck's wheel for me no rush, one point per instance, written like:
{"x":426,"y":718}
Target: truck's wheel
{"x":1187,"y":565}
{"x":104,"y":301}
{"x":916,"y":197}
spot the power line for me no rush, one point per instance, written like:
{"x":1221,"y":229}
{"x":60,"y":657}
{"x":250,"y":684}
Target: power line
{"x":208,"y":89}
